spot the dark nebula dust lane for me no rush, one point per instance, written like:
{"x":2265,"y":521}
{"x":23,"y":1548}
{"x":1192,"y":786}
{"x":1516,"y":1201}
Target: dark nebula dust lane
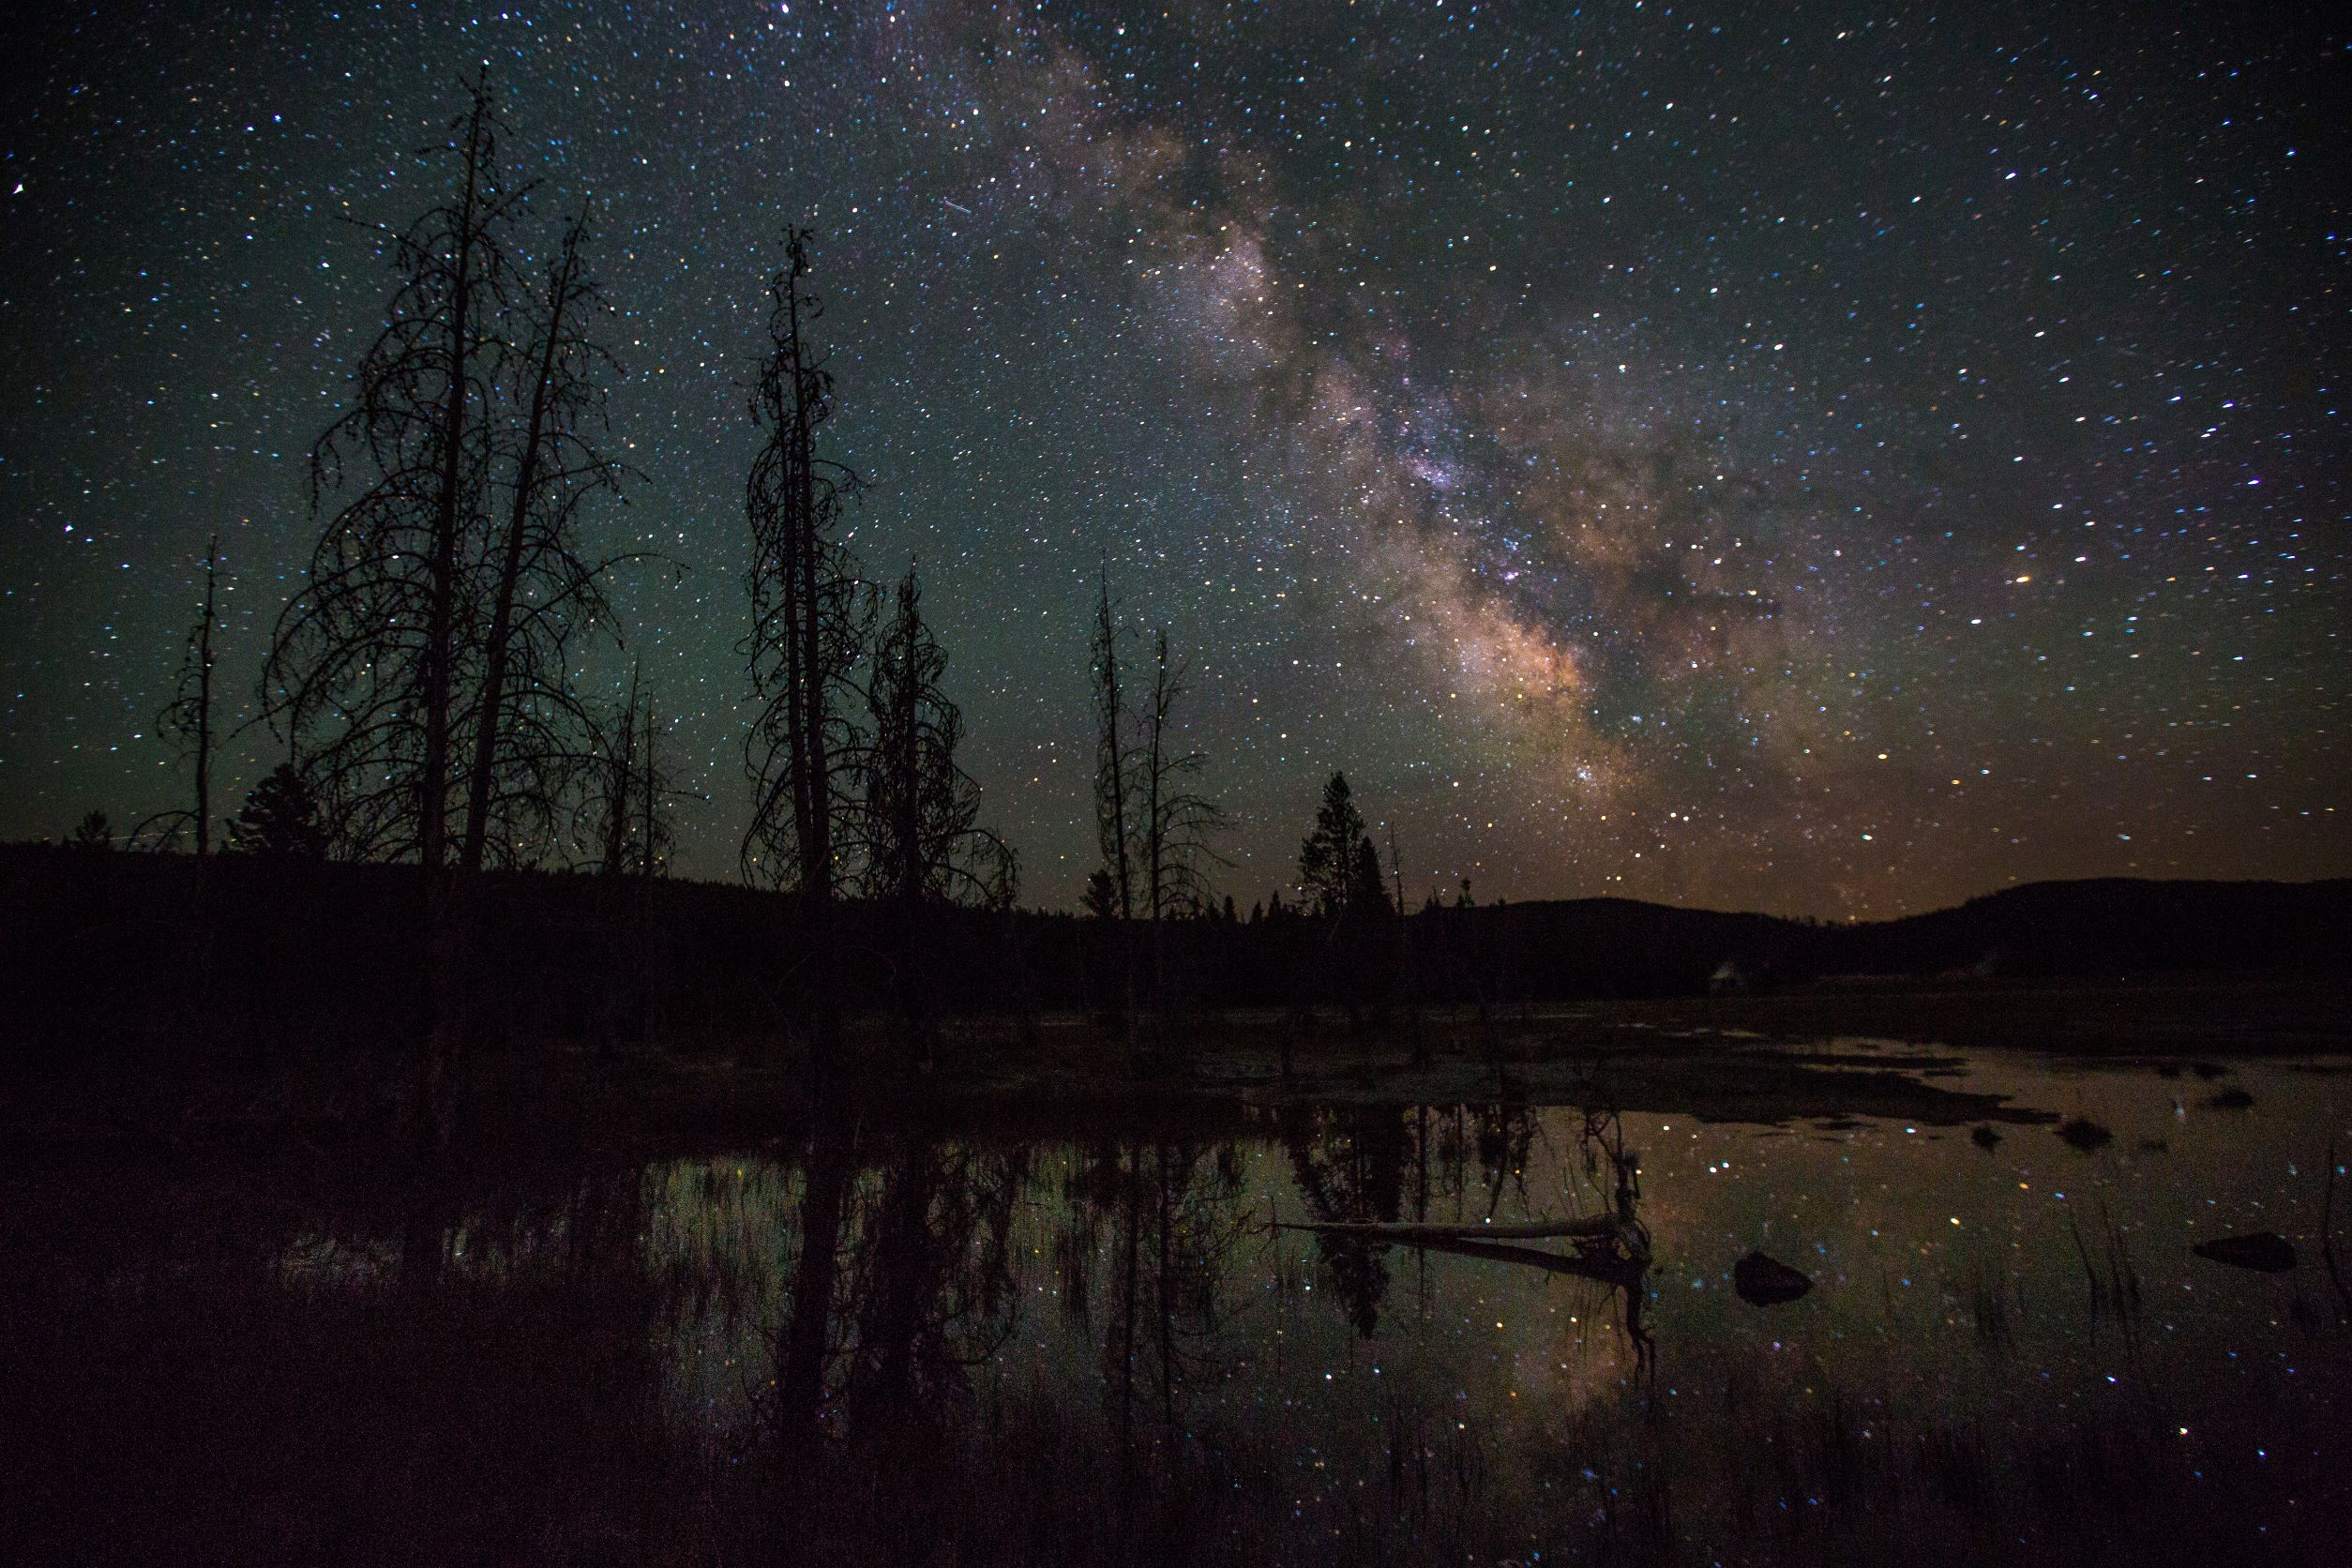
{"x":1829,"y":459}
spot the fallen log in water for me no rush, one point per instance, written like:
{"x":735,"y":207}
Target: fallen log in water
{"x":1604,"y":1264}
{"x":1595,"y":1227}
{"x":2264,"y":1251}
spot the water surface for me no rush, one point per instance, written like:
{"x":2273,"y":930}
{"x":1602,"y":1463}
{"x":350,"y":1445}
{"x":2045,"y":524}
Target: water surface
{"x":895,"y":1340}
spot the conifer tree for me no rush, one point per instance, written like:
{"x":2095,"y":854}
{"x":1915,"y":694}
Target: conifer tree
{"x":281,"y":817}
{"x":1331,"y":858}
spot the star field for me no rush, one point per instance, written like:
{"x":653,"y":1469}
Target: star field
{"x":1831,"y":459}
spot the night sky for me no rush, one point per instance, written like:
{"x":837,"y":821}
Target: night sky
{"x":1828,"y":460}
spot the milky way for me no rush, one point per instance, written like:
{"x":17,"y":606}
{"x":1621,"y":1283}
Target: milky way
{"x":1832,"y":461}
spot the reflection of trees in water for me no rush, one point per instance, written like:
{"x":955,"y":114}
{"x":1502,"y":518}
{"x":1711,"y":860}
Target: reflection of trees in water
{"x":1358,"y":1164}
{"x":903,"y":1281}
{"x":931,"y":1291}
{"x":1361,"y":1163}
{"x":805,"y":1340}
{"x":1506,"y":1135}
{"x":1449,"y":1141}
{"x":1169,"y":1214}
{"x":906,"y":1275}
{"x":1348,"y":1162}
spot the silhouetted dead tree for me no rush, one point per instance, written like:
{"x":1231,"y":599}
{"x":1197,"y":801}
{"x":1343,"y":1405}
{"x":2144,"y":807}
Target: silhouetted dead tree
{"x":920,"y":811}
{"x":620,"y":787}
{"x":636,"y":793}
{"x":1114,"y":764}
{"x":917,"y":839}
{"x":1176,"y":817}
{"x":633,"y":794}
{"x":426,"y":663}
{"x":1408,"y":956}
{"x":187,"y":720}
{"x":1114,"y":791}
{"x":366,"y":669}
{"x":531,"y":730}
{"x":810,"y":620}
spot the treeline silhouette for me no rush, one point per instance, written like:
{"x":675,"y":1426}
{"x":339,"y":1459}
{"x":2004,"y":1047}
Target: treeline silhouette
{"x":104,"y":962}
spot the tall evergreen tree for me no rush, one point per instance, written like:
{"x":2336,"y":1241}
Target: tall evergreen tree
{"x":281,"y":817}
{"x":1101,"y":897}
{"x":1331,"y":857}
{"x":1341,"y":872}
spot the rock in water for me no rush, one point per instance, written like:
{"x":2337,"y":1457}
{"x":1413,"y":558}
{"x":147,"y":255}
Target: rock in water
{"x":2084,"y":1133}
{"x":2264,"y":1251}
{"x":1985,"y":1138}
{"x":1766,"y":1281}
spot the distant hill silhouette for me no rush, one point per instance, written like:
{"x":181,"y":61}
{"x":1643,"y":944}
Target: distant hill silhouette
{"x":2121,"y":924}
{"x":2101,"y":926}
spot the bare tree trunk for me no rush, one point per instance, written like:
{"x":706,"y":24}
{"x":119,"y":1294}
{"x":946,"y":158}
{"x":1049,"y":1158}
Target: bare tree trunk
{"x":204,"y":705}
{"x":899,"y":783}
{"x":1113,"y":769}
{"x":1110,"y":800}
{"x":444,"y":944}
{"x":1407,"y":952}
{"x":441,"y":616}
{"x":528,"y":465}
{"x":621,"y":786}
{"x":1155,"y":848}
{"x":649,"y":866}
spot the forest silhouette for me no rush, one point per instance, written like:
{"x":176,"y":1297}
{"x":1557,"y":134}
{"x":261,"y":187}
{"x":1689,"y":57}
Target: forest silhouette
{"x":467,"y":848}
